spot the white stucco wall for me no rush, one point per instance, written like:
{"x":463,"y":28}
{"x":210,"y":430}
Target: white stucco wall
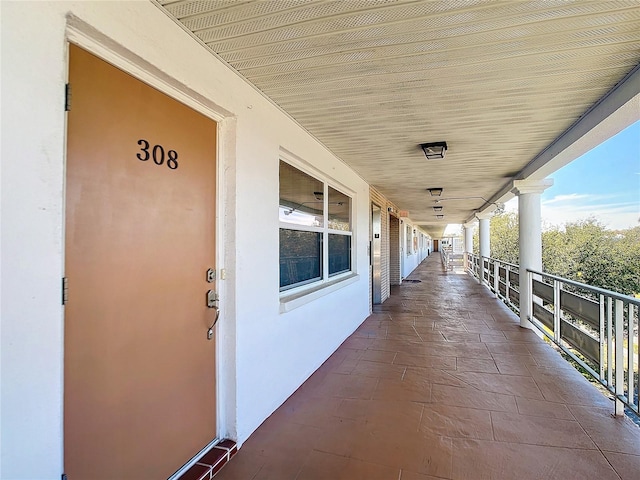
{"x":411,"y":258}
{"x":263,"y":354}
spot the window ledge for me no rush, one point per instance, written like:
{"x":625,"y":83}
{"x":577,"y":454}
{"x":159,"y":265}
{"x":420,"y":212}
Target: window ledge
{"x":295,"y":300}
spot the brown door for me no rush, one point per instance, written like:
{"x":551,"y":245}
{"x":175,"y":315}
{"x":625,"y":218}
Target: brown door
{"x":139,"y":396}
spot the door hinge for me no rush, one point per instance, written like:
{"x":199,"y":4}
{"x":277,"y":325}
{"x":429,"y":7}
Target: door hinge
{"x":67,"y":97}
{"x":65,"y":290}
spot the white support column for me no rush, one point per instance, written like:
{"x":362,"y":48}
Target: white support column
{"x":468,"y":236}
{"x":530,"y":237}
{"x":484,"y":233}
{"x":468,"y":242}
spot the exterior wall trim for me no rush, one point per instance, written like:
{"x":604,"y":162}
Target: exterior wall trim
{"x":296,"y":300}
{"x":85,"y":36}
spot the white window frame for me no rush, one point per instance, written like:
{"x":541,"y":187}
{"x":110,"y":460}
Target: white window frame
{"x":294,"y":296}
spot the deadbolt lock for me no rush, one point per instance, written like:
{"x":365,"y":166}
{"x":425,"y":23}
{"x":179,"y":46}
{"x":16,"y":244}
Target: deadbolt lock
{"x":211,"y":275}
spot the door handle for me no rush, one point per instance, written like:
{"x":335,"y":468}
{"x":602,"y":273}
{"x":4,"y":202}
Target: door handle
{"x":212,"y":300}
{"x":215,"y":320}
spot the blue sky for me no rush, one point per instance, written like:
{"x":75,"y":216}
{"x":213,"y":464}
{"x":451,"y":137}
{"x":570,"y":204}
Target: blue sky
{"x":603,"y":183}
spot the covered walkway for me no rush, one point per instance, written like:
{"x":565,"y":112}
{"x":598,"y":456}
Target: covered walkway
{"x":441,"y":382}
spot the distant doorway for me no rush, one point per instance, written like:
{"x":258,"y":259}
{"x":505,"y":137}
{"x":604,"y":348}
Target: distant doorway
{"x":436,"y":245}
{"x":394,"y":250}
{"x":376,"y":252}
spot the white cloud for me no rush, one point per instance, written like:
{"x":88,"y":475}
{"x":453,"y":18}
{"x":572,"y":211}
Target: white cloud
{"x":563,"y":209}
{"x":572,"y":197}
{"x":613,"y":215}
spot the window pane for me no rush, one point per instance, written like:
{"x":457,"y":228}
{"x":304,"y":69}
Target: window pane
{"x":300,"y":257}
{"x":339,"y":210}
{"x":301,"y":197}
{"x":408,"y":239}
{"x":339,"y":253}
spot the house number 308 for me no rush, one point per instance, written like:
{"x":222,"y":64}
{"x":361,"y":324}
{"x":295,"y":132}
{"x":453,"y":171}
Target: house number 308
{"x":157,"y":153}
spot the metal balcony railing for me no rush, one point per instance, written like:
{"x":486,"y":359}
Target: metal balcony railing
{"x":597,"y":328}
{"x":452,"y":261}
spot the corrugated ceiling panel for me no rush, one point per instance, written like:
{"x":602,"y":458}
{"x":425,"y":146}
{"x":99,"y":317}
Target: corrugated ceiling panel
{"x":372,"y":79}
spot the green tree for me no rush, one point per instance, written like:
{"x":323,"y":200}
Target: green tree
{"x":583,"y":251}
{"x":589,"y":253}
{"x":503,"y":237}
{"x":626,"y":270}
{"x":556,"y":258}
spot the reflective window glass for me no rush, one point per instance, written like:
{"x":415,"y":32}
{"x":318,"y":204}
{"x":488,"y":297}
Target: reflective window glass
{"x":308,"y":243}
{"x":339,"y":253}
{"x":339,"y":210}
{"x":301,"y":197}
{"x":300,"y":257}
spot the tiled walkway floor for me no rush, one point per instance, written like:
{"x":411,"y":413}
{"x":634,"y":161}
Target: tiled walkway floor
{"x":441,"y":382}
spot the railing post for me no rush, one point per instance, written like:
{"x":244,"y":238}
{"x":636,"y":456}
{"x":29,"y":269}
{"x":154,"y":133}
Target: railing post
{"x":496,"y":278}
{"x":609,"y":342}
{"x":529,"y":305}
{"x":556,"y":311}
{"x":619,"y":347}
{"x":630,"y":356}
{"x":602,"y":337}
{"x":487,"y":272}
{"x":507,"y":283}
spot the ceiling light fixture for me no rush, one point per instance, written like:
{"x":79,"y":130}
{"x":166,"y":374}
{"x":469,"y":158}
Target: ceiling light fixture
{"x":434,"y":150}
{"x":438,"y":208}
{"x":435,"y":192}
